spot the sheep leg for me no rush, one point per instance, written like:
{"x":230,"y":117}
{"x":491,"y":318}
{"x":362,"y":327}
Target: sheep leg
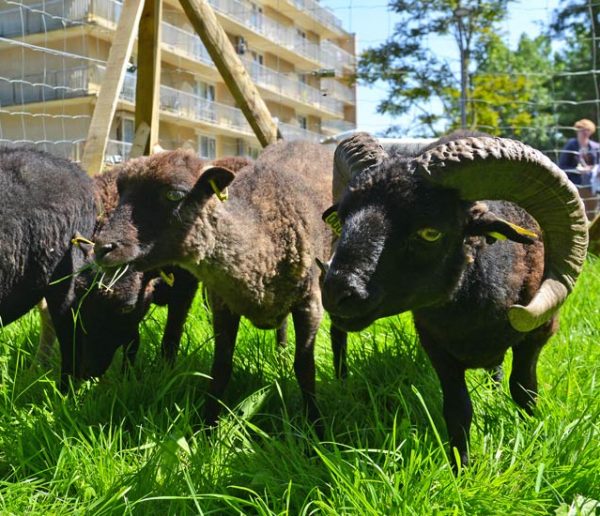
{"x":458,"y":411}
{"x":225,"y":327}
{"x":339,"y":344}
{"x":307,"y":318}
{"x":63,"y":311}
{"x":523,"y":378}
{"x":281,"y":334}
{"x":47,"y":336}
{"x":178,"y":306}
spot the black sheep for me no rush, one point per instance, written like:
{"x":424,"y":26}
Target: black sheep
{"x":46,"y":205}
{"x":415,"y":238}
{"x":45,"y":202}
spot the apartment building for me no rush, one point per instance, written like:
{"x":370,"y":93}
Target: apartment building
{"x":53,"y":55}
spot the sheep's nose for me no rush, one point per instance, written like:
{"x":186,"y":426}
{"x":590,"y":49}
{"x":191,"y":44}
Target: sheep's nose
{"x":101,"y":249}
{"x":344,"y":294}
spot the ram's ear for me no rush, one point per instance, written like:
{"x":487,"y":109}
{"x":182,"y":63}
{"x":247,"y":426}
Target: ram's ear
{"x":483,"y":222}
{"x":331,"y":218}
{"x":213,"y":181}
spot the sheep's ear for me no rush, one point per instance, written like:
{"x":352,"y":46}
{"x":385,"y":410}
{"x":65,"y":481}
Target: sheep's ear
{"x":213,"y":181}
{"x":486,"y":223}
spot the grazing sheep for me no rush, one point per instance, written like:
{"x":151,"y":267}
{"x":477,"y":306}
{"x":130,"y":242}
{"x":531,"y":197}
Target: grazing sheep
{"x":46,"y":205}
{"x":108,"y":317}
{"x":255,"y":253}
{"x":45,"y":202}
{"x":415,"y":238}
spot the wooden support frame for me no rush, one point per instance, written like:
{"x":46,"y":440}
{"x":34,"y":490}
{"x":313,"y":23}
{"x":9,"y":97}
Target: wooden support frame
{"x":146,"y":15}
{"x":147,"y":90}
{"x":205,"y":22}
{"x":106,"y":105}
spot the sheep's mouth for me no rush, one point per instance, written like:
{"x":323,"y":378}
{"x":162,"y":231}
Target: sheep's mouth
{"x":355,"y":323}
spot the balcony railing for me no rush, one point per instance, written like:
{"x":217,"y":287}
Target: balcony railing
{"x":117,"y":151}
{"x":338,"y":90}
{"x":335,"y":57}
{"x":179,"y":40}
{"x":294,"y":132}
{"x":337,"y":126}
{"x":286,"y":86}
{"x":325,"y":16}
{"x":86,"y":80}
{"x":57,"y":14}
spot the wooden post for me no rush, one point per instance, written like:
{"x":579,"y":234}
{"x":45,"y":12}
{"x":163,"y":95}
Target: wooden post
{"x":147,"y":90}
{"x":106,"y":104}
{"x":140,"y":141}
{"x":232,"y":70}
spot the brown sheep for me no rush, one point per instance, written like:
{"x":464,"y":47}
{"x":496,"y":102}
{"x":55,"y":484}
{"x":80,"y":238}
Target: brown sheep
{"x":255,"y":253}
{"x":109,"y":318}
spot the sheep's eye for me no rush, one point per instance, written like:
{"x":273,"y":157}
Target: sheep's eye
{"x":430,"y":234}
{"x":175,"y":195}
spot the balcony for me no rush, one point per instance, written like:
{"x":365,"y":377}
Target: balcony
{"x":58,"y":14}
{"x":280,"y":84}
{"x":86,"y":80}
{"x":323,"y":15}
{"x":189,"y":44}
{"x":178,"y":41}
{"x":338,"y":90}
{"x":295,"y":132}
{"x":337,"y":126}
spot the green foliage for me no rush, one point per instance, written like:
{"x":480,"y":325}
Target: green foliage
{"x":577,"y":84}
{"x":414,"y":75}
{"x":511,"y":96}
{"x":530,"y":92}
{"x":131,"y":445}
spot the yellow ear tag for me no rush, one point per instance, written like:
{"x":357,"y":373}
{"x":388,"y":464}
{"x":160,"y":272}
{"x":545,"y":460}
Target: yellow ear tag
{"x":169,"y":279}
{"x":523,"y":231}
{"x":222,"y":195}
{"x":77,"y":240}
{"x":333,"y":220}
{"x":517,"y":229}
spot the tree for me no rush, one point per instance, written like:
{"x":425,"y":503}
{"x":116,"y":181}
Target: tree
{"x":510,"y":94}
{"x":577,"y":84}
{"x":414,"y":74}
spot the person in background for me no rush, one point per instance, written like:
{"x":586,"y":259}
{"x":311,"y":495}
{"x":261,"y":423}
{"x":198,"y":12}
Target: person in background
{"x":580,"y":155}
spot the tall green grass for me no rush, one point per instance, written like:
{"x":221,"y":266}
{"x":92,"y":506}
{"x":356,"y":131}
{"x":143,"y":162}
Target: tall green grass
{"x":130,"y":445}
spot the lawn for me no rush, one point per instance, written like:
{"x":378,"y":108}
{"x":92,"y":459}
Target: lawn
{"x":131,"y":444}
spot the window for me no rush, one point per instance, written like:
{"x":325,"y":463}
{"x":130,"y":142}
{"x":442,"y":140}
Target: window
{"x":257,"y":58}
{"x":126,"y":130}
{"x":204,"y":90}
{"x":245,"y":149}
{"x":256,"y":18}
{"x":207,"y":147}
{"x":302,"y":121}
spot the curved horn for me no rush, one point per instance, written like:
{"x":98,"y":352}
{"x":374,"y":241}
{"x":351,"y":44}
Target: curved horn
{"x":499,"y":168}
{"x":354,"y":154}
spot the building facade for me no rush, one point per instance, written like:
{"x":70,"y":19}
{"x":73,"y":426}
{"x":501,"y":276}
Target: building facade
{"x":53,"y":57}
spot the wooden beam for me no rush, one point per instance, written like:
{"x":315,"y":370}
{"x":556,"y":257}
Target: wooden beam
{"x":140,"y":141}
{"x":106,"y":104}
{"x":147,"y":91}
{"x":205,"y":22}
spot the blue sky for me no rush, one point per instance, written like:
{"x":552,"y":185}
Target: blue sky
{"x":373,"y":24}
